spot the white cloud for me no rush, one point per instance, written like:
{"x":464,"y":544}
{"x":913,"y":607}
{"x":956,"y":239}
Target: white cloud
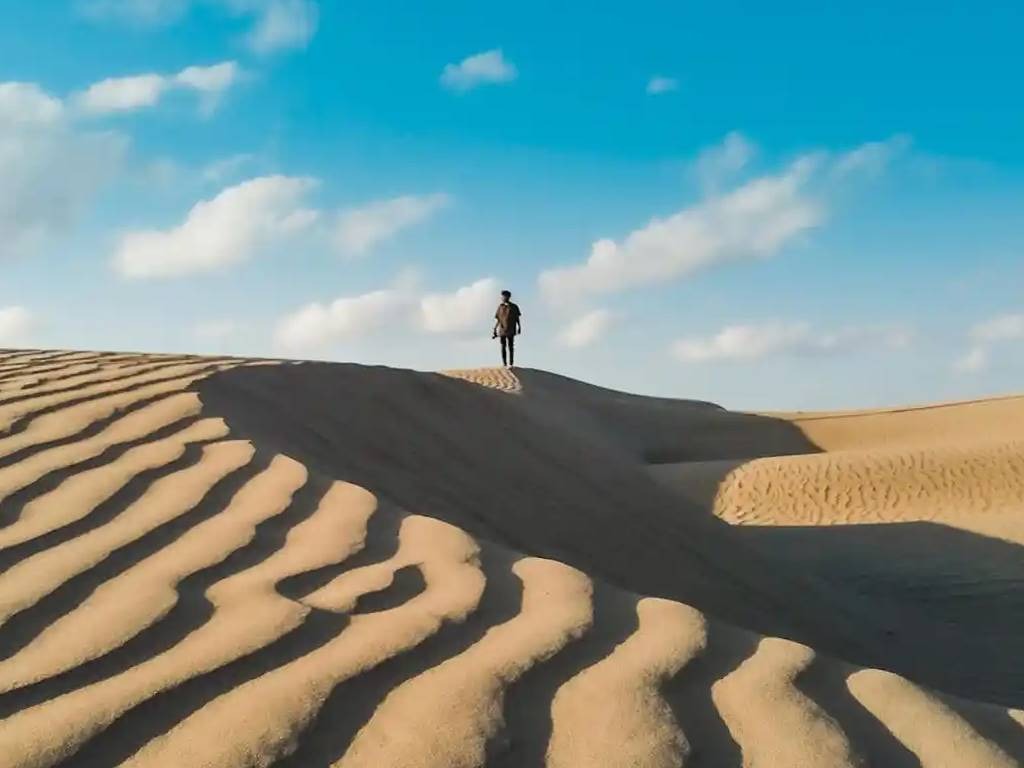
{"x":49,"y":170}
{"x":987,"y":335}
{"x":659,"y":84}
{"x":212,"y":79}
{"x":462,"y":310}
{"x":281,"y":24}
{"x":318,"y":325}
{"x":26,"y":104}
{"x":359,"y":229}
{"x":224,"y":230}
{"x":752,"y":221}
{"x":870,"y":158}
{"x":398,"y":308}
{"x":976,"y":359}
{"x":586,"y":329}
{"x":1003,"y":328}
{"x":720,"y":163}
{"x":754,"y":342}
{"x":121,"y":94}
{"x":124,"y":94}
{"x":479,"y":69}
{"x":226,"y":168}
{"x":16,"y":325}
{"x":276,"y":24}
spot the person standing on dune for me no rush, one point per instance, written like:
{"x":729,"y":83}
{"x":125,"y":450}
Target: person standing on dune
{"x":507,"y":327}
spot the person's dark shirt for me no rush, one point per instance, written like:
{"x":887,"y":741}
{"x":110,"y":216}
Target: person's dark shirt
{"x":508,"y":315}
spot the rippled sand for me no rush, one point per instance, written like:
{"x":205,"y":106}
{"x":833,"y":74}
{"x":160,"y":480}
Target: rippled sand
{"x":223,"y":562}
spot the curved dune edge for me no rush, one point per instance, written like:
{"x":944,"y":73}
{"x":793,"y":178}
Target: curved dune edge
{"x":171,"y":594}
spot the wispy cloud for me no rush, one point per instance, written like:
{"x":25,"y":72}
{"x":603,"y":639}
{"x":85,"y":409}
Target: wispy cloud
{"x":718,"y":165}
{"x":126,"y":94}
{"x":281,"y":24}
{"x":16,"y":326}
{"x":585,"y":329}
{"x":461,"y":310}
{"x":50,"y":169}
{"x":226,"y":168}
{"x":397,"y":308}
{"x":659,"y":84}
{"x":753,"y":221}
{"x":478,"y":69}
{"x":986,"y":337}
{"x":276,"y":24}
{"x":779,"y":339}
{"x":359,"y":229}
{"x":225,"y":230}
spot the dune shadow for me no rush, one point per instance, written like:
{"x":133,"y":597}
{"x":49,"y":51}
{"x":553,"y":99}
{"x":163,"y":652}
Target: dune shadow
{"x":557,"y":471}
{"x":191,"y":610}
{"x":689,"y":696}
{"x":667,"y":430}
{"x":824,"y":683}
{"x":352,"y":703}
{"x":951,"y":601}
{"x":528,"y":701}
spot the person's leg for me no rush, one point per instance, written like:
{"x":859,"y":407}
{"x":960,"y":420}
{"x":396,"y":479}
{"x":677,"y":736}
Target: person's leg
{"x":511,"y":350}
{"x":504,"y":360}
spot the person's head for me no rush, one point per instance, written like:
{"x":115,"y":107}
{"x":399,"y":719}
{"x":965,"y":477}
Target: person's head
{"x":506,"y":295}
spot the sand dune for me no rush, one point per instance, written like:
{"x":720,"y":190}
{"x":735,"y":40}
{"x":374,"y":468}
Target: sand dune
{"x":217,"y":562}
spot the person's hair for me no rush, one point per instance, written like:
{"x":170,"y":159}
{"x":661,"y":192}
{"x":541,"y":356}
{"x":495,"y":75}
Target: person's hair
{"x":507,"y":294}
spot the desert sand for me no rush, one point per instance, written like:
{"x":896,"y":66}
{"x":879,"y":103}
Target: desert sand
{"x":227,"y":562}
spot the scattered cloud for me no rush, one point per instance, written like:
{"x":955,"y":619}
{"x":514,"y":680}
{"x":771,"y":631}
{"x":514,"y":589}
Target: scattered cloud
{"x":276,"y":24}
{"x":658,"y":85}
{"x":871,"y":158}
{"x":122,"y":94}
{"x":227,"y":168}
{"x":986,"y":336}
{"x":126,"y":94}
{"x":586,"y":329}
{"x":479,"y":69}
{"x":464,"y":309}
{"x":224,"y":230}
{"x":753,"y":221}
{"x":50,"y":171}
{"x":319,"y":325}
{"x":779,"y":339}
{"x":16,"y":326}
{"x":280,"y":24}
{"x":26,"y":104}
{"x":1002,"y":328}
{"x":400,"y":307}
{"x":975,"y":360}
{"x":359,"y":229}
{"x":719,"y":164}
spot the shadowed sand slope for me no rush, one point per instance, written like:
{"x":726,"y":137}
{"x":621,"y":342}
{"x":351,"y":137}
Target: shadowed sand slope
{"x":214,"y":562}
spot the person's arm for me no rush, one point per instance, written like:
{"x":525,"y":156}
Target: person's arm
{"x":494,"y":330}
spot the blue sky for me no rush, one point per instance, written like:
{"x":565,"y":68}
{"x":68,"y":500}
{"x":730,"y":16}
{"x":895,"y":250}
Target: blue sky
{"x":794,"y":207}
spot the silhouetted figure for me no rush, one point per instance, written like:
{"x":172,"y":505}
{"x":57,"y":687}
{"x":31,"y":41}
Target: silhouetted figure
{"x":506,"y":327}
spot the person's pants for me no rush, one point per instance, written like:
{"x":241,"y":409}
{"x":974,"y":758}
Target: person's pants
{"x":508,"y":358}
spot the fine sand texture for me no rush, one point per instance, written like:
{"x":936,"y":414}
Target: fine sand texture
{"x":227,"y":562}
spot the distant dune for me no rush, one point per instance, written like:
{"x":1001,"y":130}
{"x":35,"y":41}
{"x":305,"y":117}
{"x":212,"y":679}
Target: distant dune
{"x":225,"y":562}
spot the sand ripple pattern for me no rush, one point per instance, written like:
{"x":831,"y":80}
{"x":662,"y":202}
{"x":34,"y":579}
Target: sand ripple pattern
{"x":171,"y":595}
{"x":501,"y":379}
